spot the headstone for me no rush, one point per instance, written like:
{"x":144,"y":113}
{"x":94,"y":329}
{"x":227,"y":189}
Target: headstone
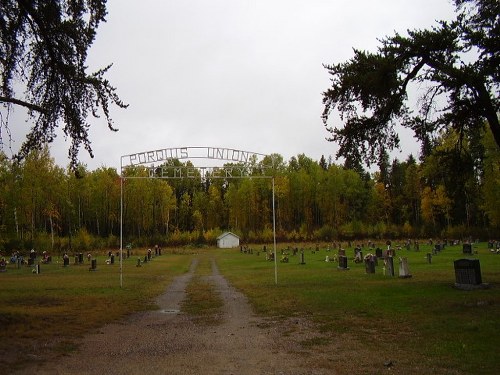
{"x":390,"y":253}
{"x":467,"y":272}
{"x":66,"y":261}
{"x":404,"y":272}
{"x":112,"y":259}
{"x":369,"y":264}
{"x":389,"y":264}
{"x":80,"y":258}
{"x":429,"y":258}
{"x":93,"y":263}
{"x":342,"y":263}
{"x":302,"y":261}
{"x":378,"y":252}
{"x":467,"y":248}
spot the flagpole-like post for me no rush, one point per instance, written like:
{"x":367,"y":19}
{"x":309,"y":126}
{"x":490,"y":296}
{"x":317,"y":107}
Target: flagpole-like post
{"x":274,"y":240}
{"x":121,"y":227}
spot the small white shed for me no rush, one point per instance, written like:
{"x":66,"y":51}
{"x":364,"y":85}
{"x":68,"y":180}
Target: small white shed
{"x":228,"y":240}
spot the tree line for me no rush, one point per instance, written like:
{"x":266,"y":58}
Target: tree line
{"x":453,"y":193}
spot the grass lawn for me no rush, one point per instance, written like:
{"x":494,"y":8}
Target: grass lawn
{"x":422,"y":316}
{"x":45,"y":312}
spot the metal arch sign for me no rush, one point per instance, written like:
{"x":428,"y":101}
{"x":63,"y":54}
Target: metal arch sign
{"x":245,"y":165}
{"x":154,"y":161}
{"x":225,"y":172}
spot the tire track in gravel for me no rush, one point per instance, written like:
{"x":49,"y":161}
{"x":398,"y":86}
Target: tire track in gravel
{"x":167,"y":341}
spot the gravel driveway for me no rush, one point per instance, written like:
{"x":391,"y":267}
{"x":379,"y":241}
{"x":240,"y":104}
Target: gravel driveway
{"x":167,"y":341}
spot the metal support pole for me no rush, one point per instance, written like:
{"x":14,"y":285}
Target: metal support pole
{"x":274,"y":239}
{"x":121,"y":231}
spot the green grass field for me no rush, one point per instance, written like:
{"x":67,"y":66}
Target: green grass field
{"x":45,"y":312}
{"x":422,"y":316}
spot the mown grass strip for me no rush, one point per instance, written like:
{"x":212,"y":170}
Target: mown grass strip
{"x":203,"y":303}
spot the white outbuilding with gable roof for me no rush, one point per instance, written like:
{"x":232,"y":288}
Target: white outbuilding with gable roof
{"x":228,"y":240}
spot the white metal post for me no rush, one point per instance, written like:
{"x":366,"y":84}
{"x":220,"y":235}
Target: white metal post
{"x":121,"y":230}
{"x":274,"y":238}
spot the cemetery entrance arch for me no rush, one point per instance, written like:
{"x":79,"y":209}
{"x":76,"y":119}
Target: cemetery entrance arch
{"x":237,"y":164}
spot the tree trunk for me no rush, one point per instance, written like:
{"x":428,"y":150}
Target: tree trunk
{"x":489,"y":112}
{"x":16,"y":222}
{"x":51,"y":233}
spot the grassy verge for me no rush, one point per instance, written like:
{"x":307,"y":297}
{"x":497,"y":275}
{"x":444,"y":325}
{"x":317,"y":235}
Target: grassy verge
{"x":203,"y":303}
{"x":43,"y":313}
{"x":422,"y":318}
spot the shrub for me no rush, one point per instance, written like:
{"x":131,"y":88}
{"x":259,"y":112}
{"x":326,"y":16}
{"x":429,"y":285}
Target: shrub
{"x":267,"y":235}
{"x":325,"y":233}
{"x":211,"y":236}
{"x":113,"y":241}
{"x":82,"y":241}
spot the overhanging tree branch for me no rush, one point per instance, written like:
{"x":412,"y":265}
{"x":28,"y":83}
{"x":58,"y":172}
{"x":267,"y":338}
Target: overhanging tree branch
{"x":370,"y":91}
{"x":43,"y":48}
{"x":22,"y":103}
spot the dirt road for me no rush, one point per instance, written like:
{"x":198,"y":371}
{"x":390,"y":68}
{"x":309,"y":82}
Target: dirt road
{"x":167,"y":341}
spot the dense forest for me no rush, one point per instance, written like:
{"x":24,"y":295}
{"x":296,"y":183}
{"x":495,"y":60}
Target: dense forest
{"x":454,"y":192}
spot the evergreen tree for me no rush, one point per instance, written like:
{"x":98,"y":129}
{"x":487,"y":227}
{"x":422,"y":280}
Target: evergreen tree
{"x":371,"y":90}
{"x":43,"y":53}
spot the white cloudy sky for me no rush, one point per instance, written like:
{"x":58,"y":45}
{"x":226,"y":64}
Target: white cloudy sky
{"x":244,"y":74}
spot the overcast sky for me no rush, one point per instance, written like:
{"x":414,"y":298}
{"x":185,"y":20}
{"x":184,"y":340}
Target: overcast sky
{"x":243,"y":74}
